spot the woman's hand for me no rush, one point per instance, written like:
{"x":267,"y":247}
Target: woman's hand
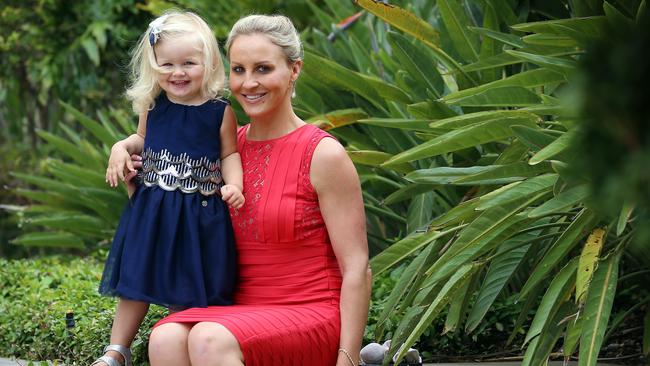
{"x":119,"y":165}
{"x":232,"y":195}
{"x":129,"y":175}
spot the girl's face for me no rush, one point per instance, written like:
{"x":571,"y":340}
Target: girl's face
{"x":182,"y":69}
{"x":261,"y":78}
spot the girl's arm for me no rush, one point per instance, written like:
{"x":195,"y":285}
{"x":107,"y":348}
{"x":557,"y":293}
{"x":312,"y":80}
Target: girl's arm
{"x":336,"y":182}
{"x":119,"y":163}
{"x":231,"y":169}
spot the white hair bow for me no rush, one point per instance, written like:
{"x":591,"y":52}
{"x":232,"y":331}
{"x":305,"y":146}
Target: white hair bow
{"x":155,"y":27}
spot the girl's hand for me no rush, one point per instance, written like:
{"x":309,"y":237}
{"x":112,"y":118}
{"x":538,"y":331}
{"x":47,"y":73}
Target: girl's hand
{"x":118,"y":163}
{"x":232,"y":195}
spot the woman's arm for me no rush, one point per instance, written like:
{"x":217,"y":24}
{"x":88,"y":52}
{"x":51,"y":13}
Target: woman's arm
{"x":339,"y":194}
{"x":119,"y":163}
{"x":231,"y":168}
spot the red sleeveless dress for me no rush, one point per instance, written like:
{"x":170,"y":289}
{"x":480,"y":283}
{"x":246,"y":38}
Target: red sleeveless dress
{"x":286,"y":308}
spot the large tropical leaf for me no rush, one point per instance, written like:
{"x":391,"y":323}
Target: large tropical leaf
{"x":600,"y":298}
{"x":462,"y":138}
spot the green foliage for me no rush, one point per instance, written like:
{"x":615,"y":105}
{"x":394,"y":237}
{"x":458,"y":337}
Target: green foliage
{"x":466,"y":130}
{"x":471,"y":135}
{"x":37,"y":293}
{"x":54,"y":50}
{"x":73,"y":206}
{"x":79,"y":54}
{"x":617,"y":174}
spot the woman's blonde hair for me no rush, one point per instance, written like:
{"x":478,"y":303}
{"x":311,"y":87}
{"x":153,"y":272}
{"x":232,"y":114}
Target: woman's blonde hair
{"x":144,"y":86}
{"x":278,"y":28}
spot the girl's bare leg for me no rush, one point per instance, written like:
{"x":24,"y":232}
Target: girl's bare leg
{"x":128,"y":317}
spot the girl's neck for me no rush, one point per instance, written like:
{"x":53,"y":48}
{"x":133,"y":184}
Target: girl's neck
{"x":276,"y":124}
{"x":196,"y":103}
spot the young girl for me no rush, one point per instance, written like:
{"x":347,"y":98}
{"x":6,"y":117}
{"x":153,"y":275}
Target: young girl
{"x":174,"y":244}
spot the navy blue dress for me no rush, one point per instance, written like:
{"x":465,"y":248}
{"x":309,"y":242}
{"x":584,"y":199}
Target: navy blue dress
{"x":174,"y":244}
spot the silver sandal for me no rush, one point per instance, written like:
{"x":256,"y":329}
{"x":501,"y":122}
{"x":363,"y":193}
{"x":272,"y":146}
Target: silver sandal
{"x":110,"y":361}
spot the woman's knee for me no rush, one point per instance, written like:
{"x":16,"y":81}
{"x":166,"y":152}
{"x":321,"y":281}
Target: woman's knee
{"x":208,"y":340}
{"x":170,"y":337}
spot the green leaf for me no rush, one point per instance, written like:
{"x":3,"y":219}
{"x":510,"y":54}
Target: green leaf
{"x":564,"y":200}
{"x":407,"y":192}
{"x":447,"y":292}
{"x":616,"y":18}
{"x":462,"y":212}
{"x":624,"y":217}
{"x":540,"y":348}
{"x":561,"y":65}
{"x":587,"y":262}
{"x":404,"y":248}
{"x":418,"y":64}
{"x":464,"y":120}
{"x":487,"y":231}
{"x":505,"y":38}
{"x":572,"y":338}
{"x":376,"y":158}
{"x":490,"y":47}
{"x":91,"y":49}
{"x":530,"y":187}
{"x":69,"y":221}
{"x":94,"y":127}
{"x":419,"y":211}
{"x":401,"y":123}
{"x":462,"y":138}
{"x":338,"y":118}
{"x":507,"y":96}
{"x":79,"y":175}
{"x":458,"y":305}
{"x":442,"y":175}
{"x":431,"y":109}
{"x":331,"y":73}
{"x":534,"y":138}
{"x":594,"y":27}
{"x":559,"y":250}
{"x":550,"y":40}
{"x":71,"y":150}
{"x":456,"y":21}
{"x":556,"y":294}
{"x":641,"y":11}
{"x":416,"y":27}
{"x":50,"y":239}
{"x":504,"y":59}
{"x":555,"y":147}
{"x":527,"y":79}
{"x":500,"y":271}
{"x":508,"y":173}
{"x":410,"y":276}
{"x":598,"y":307}
{"x":387,"y":91}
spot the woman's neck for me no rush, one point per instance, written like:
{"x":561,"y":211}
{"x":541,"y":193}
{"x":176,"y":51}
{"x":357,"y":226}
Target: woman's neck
{"x":276,"y":124}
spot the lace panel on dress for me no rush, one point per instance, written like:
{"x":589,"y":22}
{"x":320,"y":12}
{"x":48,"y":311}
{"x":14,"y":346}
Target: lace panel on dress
{"x":309,"y":221}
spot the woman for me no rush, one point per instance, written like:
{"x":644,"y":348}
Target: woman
{"x":304,"y":281}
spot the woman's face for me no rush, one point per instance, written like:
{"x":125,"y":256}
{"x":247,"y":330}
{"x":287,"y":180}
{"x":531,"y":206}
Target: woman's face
{"x":261,"y":78}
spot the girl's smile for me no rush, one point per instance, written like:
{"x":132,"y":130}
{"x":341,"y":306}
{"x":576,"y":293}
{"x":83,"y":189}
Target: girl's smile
{"x":181,"y":69}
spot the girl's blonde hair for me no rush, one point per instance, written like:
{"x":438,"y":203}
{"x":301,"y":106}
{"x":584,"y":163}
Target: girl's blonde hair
{"x":278,"y":28}
{"x":144,"y":86}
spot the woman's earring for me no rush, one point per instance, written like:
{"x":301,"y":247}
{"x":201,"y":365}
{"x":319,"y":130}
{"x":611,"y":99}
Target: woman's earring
{"x":293,"y":89}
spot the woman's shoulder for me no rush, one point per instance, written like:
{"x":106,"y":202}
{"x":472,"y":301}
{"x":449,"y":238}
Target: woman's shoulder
{"x":330,"y":165}
{"x":328,"y":150}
